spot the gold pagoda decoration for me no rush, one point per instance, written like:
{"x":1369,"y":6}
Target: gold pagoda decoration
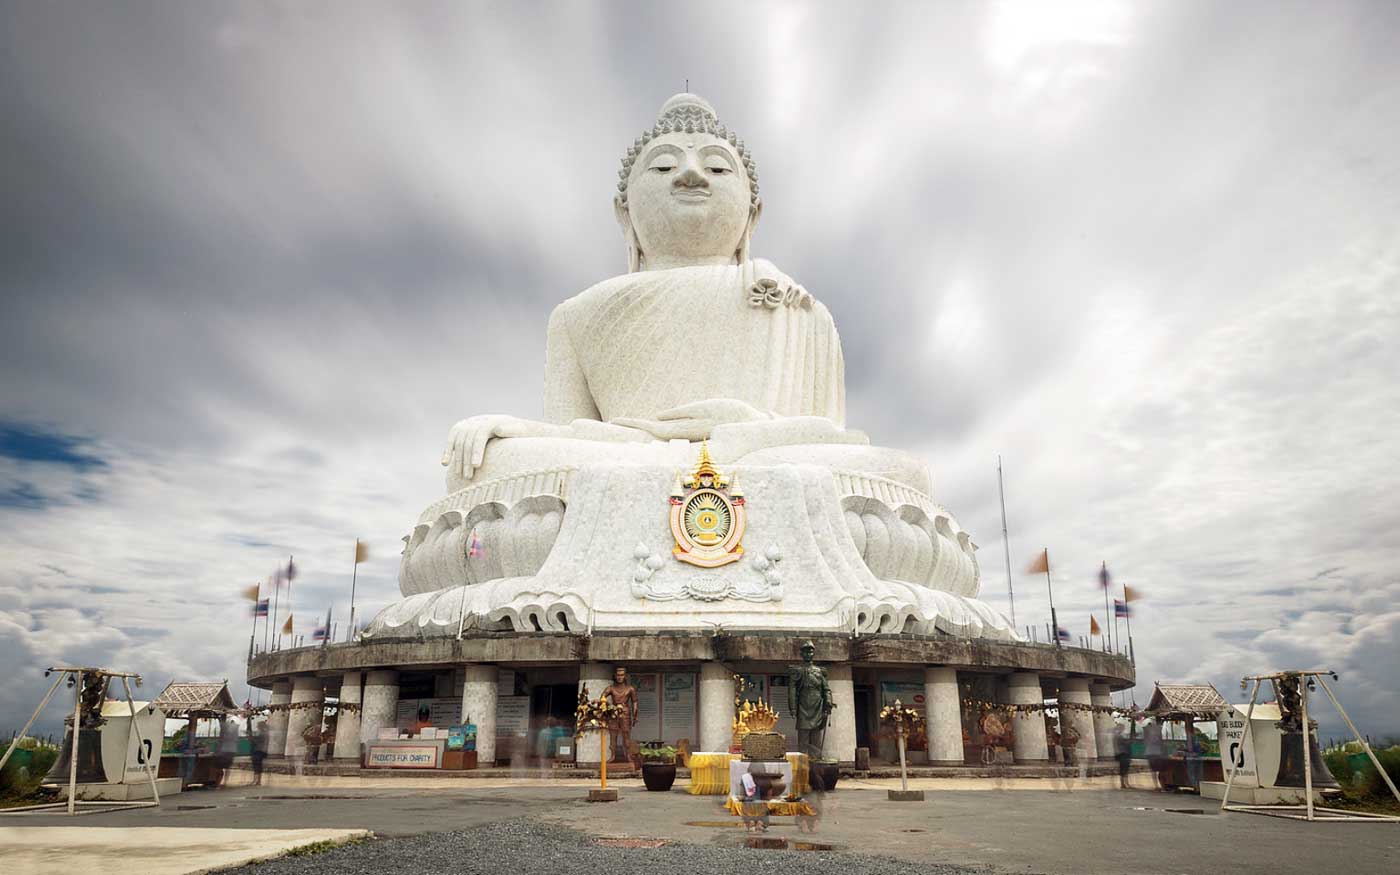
{"x":753,"y":717}
{"x":707,"y":515}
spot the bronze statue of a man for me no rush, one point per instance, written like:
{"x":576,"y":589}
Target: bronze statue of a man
{"x":624,"y":694}
{"x":809,"y":701}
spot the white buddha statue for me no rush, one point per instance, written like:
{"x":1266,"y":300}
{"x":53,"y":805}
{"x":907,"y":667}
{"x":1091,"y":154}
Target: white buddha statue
{"x":559,"y":524}
{"x":698,"y":340}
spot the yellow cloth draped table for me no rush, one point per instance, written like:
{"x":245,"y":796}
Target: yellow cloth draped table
{"x":709,"y":773}
{"x":774,"y":807}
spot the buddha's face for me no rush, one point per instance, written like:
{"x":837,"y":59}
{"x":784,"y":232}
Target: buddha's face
{"x":688,"y":198}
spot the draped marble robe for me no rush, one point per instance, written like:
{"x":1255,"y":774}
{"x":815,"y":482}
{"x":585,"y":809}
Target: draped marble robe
{"x":642,"y":343}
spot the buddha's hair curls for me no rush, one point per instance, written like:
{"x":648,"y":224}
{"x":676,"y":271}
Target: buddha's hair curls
{"x":688,"y":114}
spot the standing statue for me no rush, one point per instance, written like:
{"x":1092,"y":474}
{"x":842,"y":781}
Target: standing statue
{"x":809,"y":701}
{"x":623,"y":694}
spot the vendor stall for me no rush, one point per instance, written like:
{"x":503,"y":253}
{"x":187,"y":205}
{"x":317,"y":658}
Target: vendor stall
{"x":194,"y":761}
{"x":1185,"y":763}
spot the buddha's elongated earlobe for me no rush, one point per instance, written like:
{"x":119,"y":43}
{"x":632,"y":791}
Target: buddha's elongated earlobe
{"x":744,"y":255}
{"x":624,"y":221}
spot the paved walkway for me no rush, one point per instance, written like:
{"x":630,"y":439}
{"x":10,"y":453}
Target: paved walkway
{"x":1017,"y":825}
{"x":63,"y":850}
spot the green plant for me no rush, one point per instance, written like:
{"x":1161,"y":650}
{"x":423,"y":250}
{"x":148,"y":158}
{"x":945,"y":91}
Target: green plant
{"x":659,"y":754}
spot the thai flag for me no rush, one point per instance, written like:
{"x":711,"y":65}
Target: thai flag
{"x":320,"y":633}
{"x":1120,"y":608}
{"x":1064,"y":634}
{"x":475,"y":551}
{"x":260,"y":608}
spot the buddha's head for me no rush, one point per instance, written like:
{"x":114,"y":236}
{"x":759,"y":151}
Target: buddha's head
{"x":688,"y":192}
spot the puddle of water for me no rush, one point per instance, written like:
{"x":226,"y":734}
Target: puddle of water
{"x":629,"y":843}
{"x":811,"y":846}
{"x":913,"y":830}
{"x":717,"y":824}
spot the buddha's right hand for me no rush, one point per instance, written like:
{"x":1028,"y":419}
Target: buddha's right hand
{"x":466,"y":442}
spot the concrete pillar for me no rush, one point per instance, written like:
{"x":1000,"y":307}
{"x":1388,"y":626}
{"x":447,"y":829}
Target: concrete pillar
{"x":479,"y":707}
{"x":840,"y":741}
{"x":1100,"y":695}
{"x":1075,"y":691}
{"x":596,"y":676}
{"x":347,"y":721}
{"x":716,"y":707}
{"x":304,"y":690}
{"x":944,"y":714}
{"x":277,"y":719}
{"x":379,"y":703}
{"x":1028,"y":739}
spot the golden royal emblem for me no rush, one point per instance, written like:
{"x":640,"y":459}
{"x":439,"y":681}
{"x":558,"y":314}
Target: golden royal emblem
{"x":707,"y":516}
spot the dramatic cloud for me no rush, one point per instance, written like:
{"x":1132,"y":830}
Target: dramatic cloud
{"x":257,"y":258}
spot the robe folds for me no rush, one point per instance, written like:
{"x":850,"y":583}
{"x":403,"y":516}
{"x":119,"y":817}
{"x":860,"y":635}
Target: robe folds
{"x":642,"y":343}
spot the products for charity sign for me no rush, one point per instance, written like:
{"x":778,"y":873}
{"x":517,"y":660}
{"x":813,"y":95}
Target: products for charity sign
{"x":1235,"y":755}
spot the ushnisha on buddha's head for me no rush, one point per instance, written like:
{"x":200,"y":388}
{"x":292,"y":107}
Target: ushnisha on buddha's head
{"x":688,"y":192}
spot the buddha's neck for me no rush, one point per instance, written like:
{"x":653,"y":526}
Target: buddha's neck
{"x":666,"y":262}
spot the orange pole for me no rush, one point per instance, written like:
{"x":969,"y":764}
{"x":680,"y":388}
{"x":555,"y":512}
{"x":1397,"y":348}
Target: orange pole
{"x":605,"y":757}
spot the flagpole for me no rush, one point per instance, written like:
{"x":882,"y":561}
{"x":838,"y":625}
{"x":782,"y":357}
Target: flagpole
{"x":276,"y":598}
{"x":1104,"y":582}
{"x":254,"y":634}
{"x":289,"y":601}
{"x":354,"y":574}
{"x":1006,"y":544}
{"x":1054,"y":621}
{"x":326,"y":639}
{"x":1128,"y":619}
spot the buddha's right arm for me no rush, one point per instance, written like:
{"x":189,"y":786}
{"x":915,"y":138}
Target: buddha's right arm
{"x":566,"y":394}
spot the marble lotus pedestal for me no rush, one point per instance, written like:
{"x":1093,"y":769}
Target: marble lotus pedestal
{"x":561,"y":525}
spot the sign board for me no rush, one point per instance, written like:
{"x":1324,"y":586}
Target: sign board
{"x":513,"y":717}
{"x":123,"y":757}
{"x":440,"y":713}
{"x":402,"y":756}
{"x":648,"y":725}
{"x":679,"y":693}
{"x":909,"y":693}
{"x":462,"y":737}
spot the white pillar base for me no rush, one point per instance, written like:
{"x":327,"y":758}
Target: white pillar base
{"x":840,"y":741}
{"x":277,"y":720}
{"x":1102,"y":696}
{"x":304,"y":690}
{"x":1076,"y":691}
{"x":479,"y":707}
{"x":1028,"y":730}
{"x":347,"y":721}
{"x":379,"y":705}
{"x":596,"y":676}
{"x":716,"y":707}
{"x":944,"y":715}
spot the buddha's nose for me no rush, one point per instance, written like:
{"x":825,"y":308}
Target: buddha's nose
{"x":691,"y":177}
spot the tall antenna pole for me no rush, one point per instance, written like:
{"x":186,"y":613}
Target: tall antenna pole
{"x":1006,"y":544}
{"x":354,"y":576}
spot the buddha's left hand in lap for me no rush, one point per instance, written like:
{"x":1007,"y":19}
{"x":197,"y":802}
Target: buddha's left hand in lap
{"x":697,"y":420}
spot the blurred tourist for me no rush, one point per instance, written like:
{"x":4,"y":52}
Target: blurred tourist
{"x":1156,"y":752}
{"x":259,"y":751}
{"x":1123,"y":751}
{"x":228,"y":747}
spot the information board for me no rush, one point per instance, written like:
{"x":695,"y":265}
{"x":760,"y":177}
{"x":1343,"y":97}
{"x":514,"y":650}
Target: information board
{"x":678,"y":707}
{"x":648,"y":725}
{"x":513,"y":717}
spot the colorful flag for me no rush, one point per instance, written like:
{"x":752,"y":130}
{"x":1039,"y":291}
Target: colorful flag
{"x":1104,"y":579}
{"x":287,"y":626}
{"x":1120,"y":608}
{"x":1130,"y":594}
{"x":1064,"y":634}
{"x":1094,"y":626}
{"x":260,"y":608}
{"x":1041,"y":563}
{"x":361,"y":552}
{"x":475,"y":551}
{"x":320,"y":633}
{"x":251,"y":592}
{"x":291,"y":571}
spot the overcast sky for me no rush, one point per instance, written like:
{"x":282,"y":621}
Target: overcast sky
{"x":256,"y":259}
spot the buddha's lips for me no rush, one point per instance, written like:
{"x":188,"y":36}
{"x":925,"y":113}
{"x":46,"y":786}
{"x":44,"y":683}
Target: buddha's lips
{"x":691,"y":194}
